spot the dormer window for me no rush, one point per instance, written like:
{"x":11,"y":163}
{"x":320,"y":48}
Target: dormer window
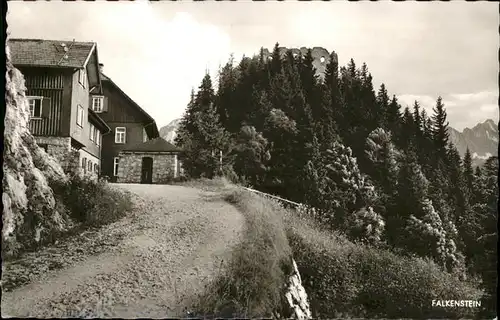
{"x":97,"y":103}
{"x":82,"y":77}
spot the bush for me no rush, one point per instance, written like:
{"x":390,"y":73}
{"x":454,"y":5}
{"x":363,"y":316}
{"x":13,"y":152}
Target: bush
{"x":252,"y":284}
{"x":343,"y":279}
{"x":92,"y":202}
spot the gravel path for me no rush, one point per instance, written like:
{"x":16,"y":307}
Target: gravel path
{"x":167,"y":251}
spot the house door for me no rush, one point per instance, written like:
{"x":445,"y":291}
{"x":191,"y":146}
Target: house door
{"x":147,"y":170}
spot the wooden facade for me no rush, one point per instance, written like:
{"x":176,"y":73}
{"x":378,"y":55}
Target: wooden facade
{"x":50,"y":84}
{"x":59,"y":78}
{"x":121,"y":111}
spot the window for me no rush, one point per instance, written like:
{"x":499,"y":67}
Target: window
{"x":79,"y":115}
{"x":95,"y":168}
{"x":144,"y":135}
{"x":84,"y":164}
{"x":97,"y":103}
{"x":82,"y":77}
{"x":98,"y":138}
{"x":120,"y":134}
{"x":115,"y":166}
{"x":35,"y":107}
{"x":92,"y":132}
{"x":90,"y":166}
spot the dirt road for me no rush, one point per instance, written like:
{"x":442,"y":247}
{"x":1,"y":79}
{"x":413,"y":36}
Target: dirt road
{"x":171,"y":246}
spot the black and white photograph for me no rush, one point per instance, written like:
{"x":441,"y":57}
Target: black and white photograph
{"x":250,"y":159}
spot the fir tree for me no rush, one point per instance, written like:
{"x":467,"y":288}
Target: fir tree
{"x":440,"y":133}
{"x":393,"y":117}
{"x":331,"y":104}
{"x":382,"y":107}
{"x":406,"y":134}
{"x":468,"y":174}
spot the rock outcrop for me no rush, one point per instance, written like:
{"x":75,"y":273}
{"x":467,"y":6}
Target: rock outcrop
{"x":296,"y":295}
{"x":31,"y":213}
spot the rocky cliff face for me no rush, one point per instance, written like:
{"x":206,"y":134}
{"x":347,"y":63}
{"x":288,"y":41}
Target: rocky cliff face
{"x":169,"y":131}
{"x":296,"y":296}
{"x":31,"y":213}
{"x":482,"y":140}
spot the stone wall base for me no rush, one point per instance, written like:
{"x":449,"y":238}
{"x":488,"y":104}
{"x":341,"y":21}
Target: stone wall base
{"x":71,"y":160}
{"x":165,"y":167}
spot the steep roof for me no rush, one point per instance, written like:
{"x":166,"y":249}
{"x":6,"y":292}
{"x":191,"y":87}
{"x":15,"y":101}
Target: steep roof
{"x":142,"y":111}
{"x":101,"y":124}
{"x":153,"y":145}
{"x":50,"y":53}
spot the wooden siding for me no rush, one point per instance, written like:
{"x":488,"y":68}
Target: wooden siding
{"x":50,"y":126}
{"x":49,"y":85}
{"x":110,"y":149}
{"x":121,"y":112}
{"x":120,"y":109}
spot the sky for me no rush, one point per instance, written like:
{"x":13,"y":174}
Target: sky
{"x":158,"y":51}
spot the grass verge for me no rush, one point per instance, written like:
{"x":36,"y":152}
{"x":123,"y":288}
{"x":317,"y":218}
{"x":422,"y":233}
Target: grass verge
{"x":252,"y":282}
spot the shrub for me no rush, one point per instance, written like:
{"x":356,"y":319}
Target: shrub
{"x":343,"y":279}
{"x":92,"y":202}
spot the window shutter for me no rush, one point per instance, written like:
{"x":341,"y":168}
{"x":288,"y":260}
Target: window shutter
{"x":45,"y":108}
{"x":105,"y":104}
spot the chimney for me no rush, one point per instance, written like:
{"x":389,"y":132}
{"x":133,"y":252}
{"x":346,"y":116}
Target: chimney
{"x":101,"y":66}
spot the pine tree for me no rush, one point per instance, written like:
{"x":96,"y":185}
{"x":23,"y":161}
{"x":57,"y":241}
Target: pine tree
{"x":468,"y":174}
{"x":201,"y":135}
{"x":187,"y":122}
{"x":205,"y":97}
{"x":344,"y":195}
{"x":428,"y":236}
{"x":382,"y":108}
{"x":331,"y":105}
{"x":412,"y":190}
{"x":276,"y":64}
{"x":393,"y":117}
{"x":418,"y":124}
{"x":440,"y":133}
{"x":406,"y":134}
{"x":226,"y":95}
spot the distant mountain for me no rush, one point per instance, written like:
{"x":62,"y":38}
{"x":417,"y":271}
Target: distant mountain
{"x":169,"y":131}
{"x":482,"y":140}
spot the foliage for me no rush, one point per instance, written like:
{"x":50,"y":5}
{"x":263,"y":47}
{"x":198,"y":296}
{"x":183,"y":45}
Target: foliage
{"x":365,"y":282}
{"x":92,"y":202}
